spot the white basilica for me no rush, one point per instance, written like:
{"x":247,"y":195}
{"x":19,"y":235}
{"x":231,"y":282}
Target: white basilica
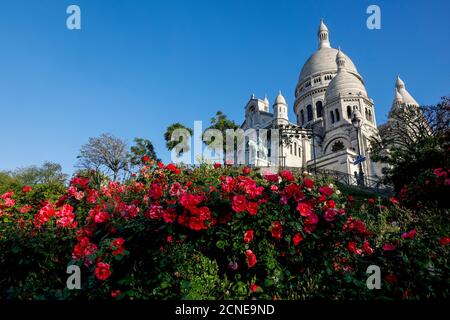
{"x":330,"y":94}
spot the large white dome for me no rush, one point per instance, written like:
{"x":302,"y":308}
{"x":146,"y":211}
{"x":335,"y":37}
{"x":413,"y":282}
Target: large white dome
{"x":323,"y":60}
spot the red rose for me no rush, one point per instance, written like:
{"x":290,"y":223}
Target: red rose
{"x":326,"y":191}
{"x":297,"y":239}
{"x":101,"y":217}
{"x":388,"y":247}
{"x":145,"y":159}
{"x":291,"y":191}
{"x":102,"y":271}
{"x":331,"y":204}
{"x":367,"y":249}
{"x":246,"y":170}
{"x":66,"y":217}
{"x":304,"y":209}
{"x":169,"y":215}
{"x":239,"y":203}
{"x":154,"y":212}
{"x":252,"y":208}
{"x":195,"y":223}
{"x":308,"y":183}
{"x":7,"y":195}
{"x":444,"y":241}
{"x":188,"y":200}
{"x":440,"y":173}
{"x":9,"y":202}
{"x":171,"y":167}
{"x":115,"y":293}
{"x":155,"y":191}
{"x":277,"y":230}
{"x":217,"y":165}
{"x":26,"y":189}
{"x":394,"y":201}
{"x":391,"y":278}
{"x":25,"y":209}
{"x":270,"y":177}
{"x":287,"y":175}
{"x":251,"y":258}
{"x":204,"y":213}
{"x":311,"y":222}
{"x":175,"y":189}
{"x":248,"y":236}
{"x":409,"y":235}
{"x":330,"y":214}
{"x":117,"y":246}
{"x":352,"y":248}
{"x":371,"y":201}
{"x":254,"y":287}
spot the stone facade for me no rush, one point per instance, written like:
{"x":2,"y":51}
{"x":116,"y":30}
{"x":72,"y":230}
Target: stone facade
{"x":329,"y":94}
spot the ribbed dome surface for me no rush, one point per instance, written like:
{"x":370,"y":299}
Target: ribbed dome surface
{"x":322,"y":60}
{"x":344,"y":83}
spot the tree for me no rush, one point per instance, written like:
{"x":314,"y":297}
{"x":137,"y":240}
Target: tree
{"x":222,"y":123}
{"x":141,"y":148}
{"x":414,"y":142}
{"x":8,"y":182}
{"x":48,"y":173}
{"x":173,"y":141}
{"x":105,"y":153}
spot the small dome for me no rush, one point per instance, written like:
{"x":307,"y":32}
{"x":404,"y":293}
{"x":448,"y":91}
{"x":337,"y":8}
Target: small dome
{"x":399,"y":83}
{"x":397,"y":96}
{"x":345,"y":83}
{"x":405,"y":95}
{"x":397,"y":102}
{"x":340,"y":55}
{"x":280,"y":99}
{"x":322,"y":26}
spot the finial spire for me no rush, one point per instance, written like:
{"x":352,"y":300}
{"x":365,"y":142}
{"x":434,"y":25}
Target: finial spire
{"x":280,"y":99}
{"x":323,"y":35}
{"x":399,"y":83}
{"x":340,"y":59}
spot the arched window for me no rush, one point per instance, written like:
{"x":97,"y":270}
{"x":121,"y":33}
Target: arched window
{"x":370,"y":116}
{"x":338,"y":117}
{"x":309,"y":112}
{"x":349,"y":112}
{"x":338,"y":145}
{"x":332,"y":116}
{"x":295,"y":148}
{"x":299,"y":151}
{"x":367,"y":115}
{"x":302,"y":117}
{"x":319,"y":109}
{"x":290,"y":148}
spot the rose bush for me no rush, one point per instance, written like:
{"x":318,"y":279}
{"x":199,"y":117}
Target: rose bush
{"x":217,"y":233}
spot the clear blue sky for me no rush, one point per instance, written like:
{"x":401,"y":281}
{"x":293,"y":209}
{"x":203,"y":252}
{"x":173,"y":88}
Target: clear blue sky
{"x":138,"y":66}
